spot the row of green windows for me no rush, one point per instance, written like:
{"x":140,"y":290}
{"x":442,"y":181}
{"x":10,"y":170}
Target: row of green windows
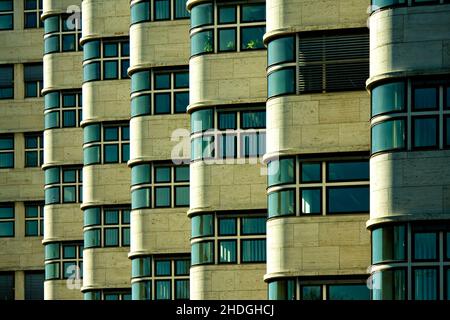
{"x":63,"y":109}
{"x":425,"y":96}
{"x":382,"y":4}
{"x":33,"y":285}
{"x":327,"y":62}
{"x":34,"y":220}
{"x":239,"y":28}
{"x":62,"y":34}
{"x":32,"y":14}
{"x":158,"y":10}
{"x":237,"y":239}
{"x":163,"y":197}
{"x":160,"y":290}
{"x":142,"y":174}
{"x":110,"y":60}
{"x":108,"y":295}
{"x":170,"y":92}
{"x":159,"y":267}
{"x":286,"y":289}
{"x":33,"y":80}
{"x":63,"y":260}
{"x":63,"y":185}
{"x":106,"y":227}
{"x":104,"y":143}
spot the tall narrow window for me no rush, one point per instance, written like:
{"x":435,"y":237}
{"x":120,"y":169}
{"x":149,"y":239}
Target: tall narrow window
{"x":33,"y":76}
{"x":6,"y":81}
{"x":34,"y":149}
{"x":32,"y":14}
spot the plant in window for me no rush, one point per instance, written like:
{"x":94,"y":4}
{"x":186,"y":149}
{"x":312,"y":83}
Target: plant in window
{"x":208,"y":47}
{"x":254,"y":44}
{"x":230,"y":45}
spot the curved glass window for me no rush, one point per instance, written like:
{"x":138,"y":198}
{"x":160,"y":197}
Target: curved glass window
{"x":202,"y":253}
{"x":141,"y":267}
{"x":52,"y":251}
{"x":51,"y":24}
{"x":140,"y":174}
{"x":51,"y":100}
{"x":389,"y":97}
{"x":92,"y":155}
{"x":202,"y":225}
{"x":141,"y":290}
{"x":281,"y":172}
{"x":140,"y":12}
{"x":51,"y":44}
{"x":92,"y":216}
{"x":389,"y":244}
{"x":52,"y":175}
{"x":281,"y":50}
{"x":91,"y":71}
{"x":389,"y":285}
{"x":141,"y":105}
{"x":92,"y":133}
{"x":202,"y":42}
{"x":202,"y":120}
{"x":281,"y":82}
{"x":282,"y":290}
{"x":92,"y":238}
{"x":380,"y":4}
{"x":91,"y":50}
{"x":202,"y":148}
{"x":202,"y":15}
{"x":140,"y":81}
{"x":281,"y":203}
{"x":141,"y":198}
{"x":389,"y":135}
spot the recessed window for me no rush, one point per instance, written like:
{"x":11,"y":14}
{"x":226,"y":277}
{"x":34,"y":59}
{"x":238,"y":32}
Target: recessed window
{"x":34,"y":149}
{"x":7,"y":220}
{"x":6,"y":81}
{"x":426,"y":98}
{"x":389,"y":244}
{"x":63,"y":185}
{"x":426,"y":285}
{"x":7,"y":287}
{"x":426,"y":132}
{"x":32,"y":14}
{"x":62,"y":33}
{"x":34,"y":219}
{"x":6,"y":151}
{"x":162,"y":10}
{"x":311,"y":201}
{"x":33,"y":77}
{"x":425,"y":246}
{"x":63,"y":260}
{"x":6,"y":15}
{"x":281,"y":50}
{"x":389,"y":135}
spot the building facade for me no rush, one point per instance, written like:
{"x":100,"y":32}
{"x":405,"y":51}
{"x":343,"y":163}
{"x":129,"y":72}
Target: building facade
{"x":209,"y":149}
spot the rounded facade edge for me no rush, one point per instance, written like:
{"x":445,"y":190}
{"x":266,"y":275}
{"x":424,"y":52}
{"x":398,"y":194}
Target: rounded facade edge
{"x":47,"y":165}
{"x":191,"y":3}
{"x":140,"y":67}
{"x":404,"y":74}
{"x":216,"y":103}
{"x":372,"y":223}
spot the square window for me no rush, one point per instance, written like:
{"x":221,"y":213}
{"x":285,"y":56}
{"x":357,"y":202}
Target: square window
{"x":162,"y":197}
{"x":31,"y":5}
{"x":426,"y":98}
{"x":6,"y":160}
{"x":182,"y":267}
{"x":31,"y":211}
{"x":425,"y":284}
{"x":348,"y":199}
{"x":110,"y":50}
{"x":31,"y":89}
{"x":70,"y":269}
{"x":311,"y":201}
{"x":162,"y":103}
{"x":227,"y":40}
{"x":69,"y":42}
{"x":253,"y":251}
{"x":111,"y":134}
{"x":69,"y":252}
{"x":182,"y":289}
{"x":253,"y":13}
{"x":69,"y":194}
{"x":311,"y":172}
{"x":227,"y":146}
{"x":163,"y":268}
{"x":111,"y":217}
{"x":69,"y":175}
{"x":6,"y":228}
{"x":111,"y":153}
{"x":227,"y":120}
{"x":227,"y":14}
{"x":181,"y":196}
{"x":162,"y":81}
{"x":181,"y":102}
{"x":6,"y":22}
{"x":252,"y":38}
{"x":31,"y":20}
{"x":425,"y":132}
{"x":110,"y":70}
{"x":227,"y":251}
{"x":162,"y":174}
{"x":181,"y":80}
{"x":69,"y":100}
{"x":31,"y":159}
{"x":227,"y":226}
{"x":182,"y":174}
{"x":425,"y":246}
{"x":111,"y":237}
{"x":31,"y":142}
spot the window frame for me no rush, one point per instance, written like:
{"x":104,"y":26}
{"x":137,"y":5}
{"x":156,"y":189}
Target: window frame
{"x":39,"y":149}
{"x":9,"y":151}
{"x":9,"y":205}
{"x":9,"y":13}
{"x":60,"y":185}
{"x":39,"y":219}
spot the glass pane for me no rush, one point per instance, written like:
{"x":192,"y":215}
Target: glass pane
{"x":311,"y":172}
{"x":251,"y":13}
{"x":162,"y":81}
{"x":182,"y":80}
{"x":6,"y":5}
{"x":447,"y":131}
{"x":6,"y":22}
{"x":425,"y":132}
{"x":69,"y":269}
{"x":389,"y":244}
{"x":182,"y":267}
{"x":125,"y":64}
{"x":31,"y":159}
{"x":281,"y":82}
{"x":30,"y":20}
{"x":281,"y":203}
{"x":253,"y":250}
{"x":162,"y":174}
{"x":252,"y":38}
{"x":69,"y":100}
{"x":202,"y":42}
{"x":34,"y":285}
{"x":30,"y":211}
{"x":312,"y":293}
{"x":254,"y":225}
{"x":140,"y":81}
{"x":377,"y":4}
{"x":182,"y":289}
{"x":52,"y":251}
{"x":31,"y":228}
{"x":202,"y":253}
{"x":388,"y":135}
{"x":181,"y":196}
{"x":348,"y":292}
{"x":31,"y":89}
{"x":311,"y":201}
{"x":91,"y":71}
{"x":253,"y":119}
{"x":163,"y":291}
{"x":141,"y":290}
{"x":282,"y":290}
{"x":7,"y":212}
{"x":111,"y":216}
{"x":389,"y":285}
{"x":141,"y":267}
{"x":162,"y":9}
{"x":425,"y":246}
{"x":91,"y":155}
{"x":227,"y":251}
{"x":92,"y":133}
{"x":348,"y":199}
{"x":202,"y":15}
{"x":110,"y":70}
{"x":125,"y":152}
{"x":91,"y":50}
{"x":182,"y":174}
{"x":140,"y":174}
{"x":163,"y":268}
{"x":140,"y":12}
{"x":141,"y":198}
{"x":227,"y":146}
{"x":425,"y":98}
{"x":180,"y":9}
{"x":126,"y":216}
{"x":125,"y":49}
{"x":227,"y":14}
{"x":280,"y":172}
{"x":140,"y":105}
{"x":227,"y":226}
{"x":51,"y":271}
{"x":181,"y":102}
{"x":447,"y":94}
{"x":281,"y":50}
{"x":69,"y":119}
{"x":227,"y":40}
{"x":69,"y":42}
{"x":110,"y":50}
{"x":347,"y":171}
{"x":111,"y":296}
{"x":92,"y":216}
{"x":162,"y":103}
{"x":125,"y":236}
{"x":388,"y":98}
{"x":425,"y":284}
{"x":162,"y":197}
{"x":52,"y":195}
{"x":227,"y":120}
{"x":111,"y":237}
{"x":31,"y":142}
{"x":202,"y":120}
{"x":7,"y":229}
{"x":69,"y":194}
{"x":69,"y":251}
{"x":69,"y":175}
{"x":111,"y":153}
{"x":202,"y":225}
